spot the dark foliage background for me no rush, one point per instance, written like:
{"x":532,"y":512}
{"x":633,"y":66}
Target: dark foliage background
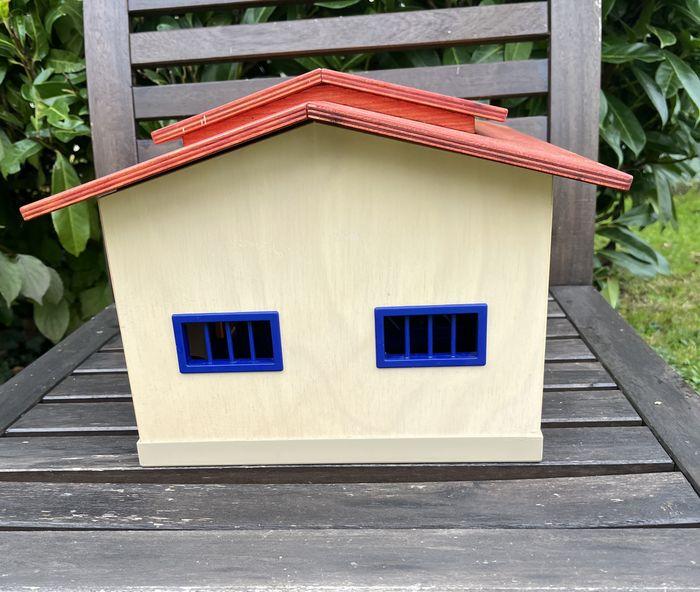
{"x":52,"y":270}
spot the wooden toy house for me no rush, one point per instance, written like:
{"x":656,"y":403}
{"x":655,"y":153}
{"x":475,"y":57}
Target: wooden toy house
{"x":335,"y":270}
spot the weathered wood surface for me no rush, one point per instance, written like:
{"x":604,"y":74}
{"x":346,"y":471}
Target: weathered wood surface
{"x":567,"y":452}
{"x":173,"y":6}
{"x":388,"y":31}
{"x":573,"y":110}
{"x":666,"y":403}
{"x":377,"y":559}
{"x":467,"y":81}
{"x":107,"y":59}
{"x":24,"y":390}
{"x":560,"y":409}
{"x":110,"y":386}
{"x":652,"y":499}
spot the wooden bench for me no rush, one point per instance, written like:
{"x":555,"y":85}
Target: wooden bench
{"x":622,"y":431}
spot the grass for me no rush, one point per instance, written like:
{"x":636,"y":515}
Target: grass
{"x":666,"y":310}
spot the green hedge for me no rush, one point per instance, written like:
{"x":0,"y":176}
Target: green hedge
{"x":52,"y":270}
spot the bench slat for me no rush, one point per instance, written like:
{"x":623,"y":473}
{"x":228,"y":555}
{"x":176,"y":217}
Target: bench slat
{"x":557,"y":377}
{"x":467,"y":81}
{"x":382,"y":560}
{"x":384,"y":32}
{"x":651,"y":499}
{"x":560,"y":409}
{"x":568,"y":452}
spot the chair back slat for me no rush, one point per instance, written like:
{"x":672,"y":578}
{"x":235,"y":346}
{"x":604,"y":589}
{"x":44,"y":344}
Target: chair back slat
{"x":333,"y":35}
{"x":570,"y":78}
{"x":470,"y":81}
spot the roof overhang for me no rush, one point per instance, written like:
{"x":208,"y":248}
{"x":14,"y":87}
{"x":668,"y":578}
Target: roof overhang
{"x":489,"y":141}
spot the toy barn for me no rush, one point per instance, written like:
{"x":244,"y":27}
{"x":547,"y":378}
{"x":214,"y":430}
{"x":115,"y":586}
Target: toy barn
{"x":335,"y":270}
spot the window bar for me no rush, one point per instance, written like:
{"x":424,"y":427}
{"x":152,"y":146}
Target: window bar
{"x":229,"y":342}
{"x":407,"y":336}
{"x":207,"y":344}
{"x":430,"y":336}
{"x":453,"y":334}
{"x":250,"y":341}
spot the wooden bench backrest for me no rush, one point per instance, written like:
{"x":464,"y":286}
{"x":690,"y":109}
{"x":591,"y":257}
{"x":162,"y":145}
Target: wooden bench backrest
{"x":570,"y":78}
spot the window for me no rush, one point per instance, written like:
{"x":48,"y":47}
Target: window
{"x":228,"y":342}
{"x":450,"y":335}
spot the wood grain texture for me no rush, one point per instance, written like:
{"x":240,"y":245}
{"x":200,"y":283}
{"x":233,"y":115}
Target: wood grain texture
{"x":21,"y":392}
{"x":471,"y":81}
{"x":573,"y":110}
{"x":652,"y":499}
{"x":316,"y":252}
{"x":339,"y":560}
{"x":401,"y":30}
{"x":533,"y":126}
{"x":568,"y":452}
{"x":323,"y":85}
{"x":108,"y":60}
{"x":139,"y":7}
{"x":666,"y":403}
{"x":115,"y":386}
{"x":491,"y":142}
{"x":559,"y":409}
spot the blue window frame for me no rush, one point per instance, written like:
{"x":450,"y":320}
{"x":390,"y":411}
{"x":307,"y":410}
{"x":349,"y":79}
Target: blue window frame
{"x":228,"y":342}
{"x":447,"y":335}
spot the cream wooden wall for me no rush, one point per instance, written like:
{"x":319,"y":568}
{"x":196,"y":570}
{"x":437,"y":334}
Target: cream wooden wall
{"x":324,"y":224}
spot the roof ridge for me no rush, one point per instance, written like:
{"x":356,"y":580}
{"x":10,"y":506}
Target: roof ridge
{"x":305,"y":81}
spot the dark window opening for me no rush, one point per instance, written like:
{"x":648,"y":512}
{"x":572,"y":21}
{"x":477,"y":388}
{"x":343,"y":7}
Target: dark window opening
{"x":450,"y":335}
{"x":235,"y":342}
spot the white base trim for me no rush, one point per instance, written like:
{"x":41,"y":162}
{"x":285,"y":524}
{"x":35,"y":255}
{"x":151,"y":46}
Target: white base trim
{"x":346,"y":450}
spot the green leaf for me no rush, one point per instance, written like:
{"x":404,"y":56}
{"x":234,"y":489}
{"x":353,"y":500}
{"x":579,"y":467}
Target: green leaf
{"x":687,"y":77}
{"x":261,"y":14}
{"x":36,"y":278}
{"x":55,"y":292}
{"x":64,"y":61}
{"x":487,"y":53}
{"x":4,"y":9}
{"x":631,"y":131}
{"x":10,"y":279}
{"x":517,"y":51}
{"x":663,"y":195}
{"x":632,"y":264}
{"x":72,"y":225}
{"x":52,"y":319}
{"x":611,"y":136}
{"x":337,"y":4}
{"x":94,"y":299}
{"x":656,"y":96}
{"x":611,"y":291}
{"x":456,"y":55}
{"x":665,"y":37}
{"x":63,"y":175}
{"x":35,"y":29}
{"x":635,"y":246}
{"x":666,"y":78}
{"x":619,"y":52}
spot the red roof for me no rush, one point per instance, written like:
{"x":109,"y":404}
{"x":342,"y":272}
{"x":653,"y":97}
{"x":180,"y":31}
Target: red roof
{"x":409,"y":118}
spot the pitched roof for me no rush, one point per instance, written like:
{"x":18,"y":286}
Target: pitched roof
{"x":337,"y":87}
{"x":487,"y":140}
